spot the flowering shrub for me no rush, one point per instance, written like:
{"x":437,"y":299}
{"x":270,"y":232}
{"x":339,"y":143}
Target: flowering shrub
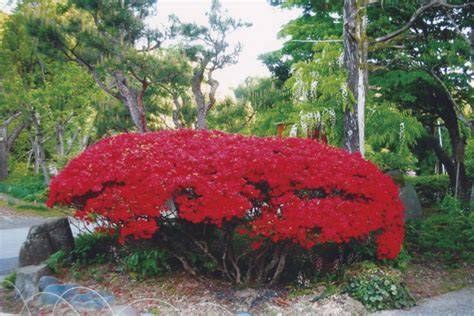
{"x":270,"y":192}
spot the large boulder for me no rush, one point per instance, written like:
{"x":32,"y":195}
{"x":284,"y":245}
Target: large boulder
{"x":45,"y":239}
{"x":408,"y":196}
{"x":411,"y":202}
{"x":27,"y":279}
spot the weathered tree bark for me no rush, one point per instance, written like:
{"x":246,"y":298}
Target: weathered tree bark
{"x":59,"y":139}
{"x":72,"y":140}
{"x":177,"y":111}
{"x":355,"y":62}
{"x":6,"y":142}
{"x":203,"y":107}
{"x":132,"y":100}
{"x":457,"y":175}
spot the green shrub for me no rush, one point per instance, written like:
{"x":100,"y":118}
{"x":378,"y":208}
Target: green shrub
{"x":93,"y":248}
{"x":377,"y":287}
{"x":26,"y":187}
{"x":430,"y":189}
{"x":57,"y":261}
{"x":447,"y":235}
{"x":144,"y":263}
{"x":469,"y":158}
{"x":9,"y":281}
{"x":31,"y":206}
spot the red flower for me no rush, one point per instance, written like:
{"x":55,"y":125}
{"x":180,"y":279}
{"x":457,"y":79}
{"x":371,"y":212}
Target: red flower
{"x":280,"y":189}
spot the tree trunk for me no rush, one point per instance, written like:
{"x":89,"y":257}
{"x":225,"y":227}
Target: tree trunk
{"x":355,"y":62}
{"x":6,"y":142}
{"x":59,"y":139}
{"x":131,"y":99}
{"x":176,"y":111}
{"x":3,"y":154}
{"x":39,"y":150}
{"x":457,"y":174}
{"x":199,"y":97}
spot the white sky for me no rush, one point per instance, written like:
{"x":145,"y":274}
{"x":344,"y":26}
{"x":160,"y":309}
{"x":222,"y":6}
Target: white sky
{"x":260,"y":38}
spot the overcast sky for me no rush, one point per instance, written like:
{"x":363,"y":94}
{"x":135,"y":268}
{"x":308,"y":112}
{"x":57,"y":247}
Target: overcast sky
{"x":261,"y":37}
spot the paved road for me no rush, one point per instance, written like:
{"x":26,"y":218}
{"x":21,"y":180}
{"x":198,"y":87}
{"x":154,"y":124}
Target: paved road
{"x":13,"y":231}
{"x":459,"y":303}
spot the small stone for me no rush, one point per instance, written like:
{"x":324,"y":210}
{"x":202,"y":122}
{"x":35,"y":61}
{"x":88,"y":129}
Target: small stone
{"x":52,"y":293}
{"x":124,"y":310}
{"x":91,"y":300}
{"x":27,"y":279}
{"x":46,"y":280}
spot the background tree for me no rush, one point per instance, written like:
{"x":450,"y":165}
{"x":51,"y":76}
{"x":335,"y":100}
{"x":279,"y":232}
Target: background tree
{"x":111,"y":40}
{"x":400,"y":34}
{"x":208,"y":47}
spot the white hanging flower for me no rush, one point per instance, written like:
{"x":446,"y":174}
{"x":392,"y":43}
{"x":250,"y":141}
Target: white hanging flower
{"x":294,"y":130}
{"x":402,"y":132}
{"x":344,"y":93}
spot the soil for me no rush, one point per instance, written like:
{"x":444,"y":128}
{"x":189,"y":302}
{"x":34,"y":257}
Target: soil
{"x":179,"y":293}
{"x":431,"y":279}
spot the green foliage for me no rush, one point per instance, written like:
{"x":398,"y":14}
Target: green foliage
{"x":390,"y":135}
{"x":25,"y":187}
{"x":57,"y":261}
{"x":270,"y":102}
{"x":447,"y":235}
{"x":430,"y":189}
{"x":9,"y":281}
{"x":35,"y":207}
{"x":229,"y":116}
{"x":93,"y":248}
{"x":469,"y":162}
{"x":144,"y":263}
{"x":377,"y":287}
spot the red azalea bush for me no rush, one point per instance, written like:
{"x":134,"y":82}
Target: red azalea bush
{"x":211,"y":187}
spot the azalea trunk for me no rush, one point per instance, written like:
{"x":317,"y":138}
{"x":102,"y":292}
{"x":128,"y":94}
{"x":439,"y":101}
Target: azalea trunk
{"x":132,"y":100}
{"x":355,"y":62}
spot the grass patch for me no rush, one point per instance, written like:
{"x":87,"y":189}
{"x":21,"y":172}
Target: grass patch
{"x":34,"y":209}
{"x":30,"y":188}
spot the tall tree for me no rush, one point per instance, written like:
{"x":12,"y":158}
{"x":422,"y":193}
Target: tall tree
{"x":356,"y":42}
{"x":208,"y":47}
{"x":111,"y":40}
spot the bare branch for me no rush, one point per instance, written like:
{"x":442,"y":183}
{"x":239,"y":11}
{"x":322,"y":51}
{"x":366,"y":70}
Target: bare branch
{"x":450,"y":97}
{"x":317,"y":41}
{"x":10,"y":119}
{"x":418,"y":13}
{"x":14,"y":135}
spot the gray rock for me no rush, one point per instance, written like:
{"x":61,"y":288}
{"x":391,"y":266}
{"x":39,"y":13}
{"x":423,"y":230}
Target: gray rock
{"x":45,"y":239}
{"x":124,"y":310}
{"x":91,"y":301}
{"x":27,"y":279}
{"x":46,"y":280}
{"x":52,"y":293}
{"x":411,"y":202}
{"x":339,"y":305}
